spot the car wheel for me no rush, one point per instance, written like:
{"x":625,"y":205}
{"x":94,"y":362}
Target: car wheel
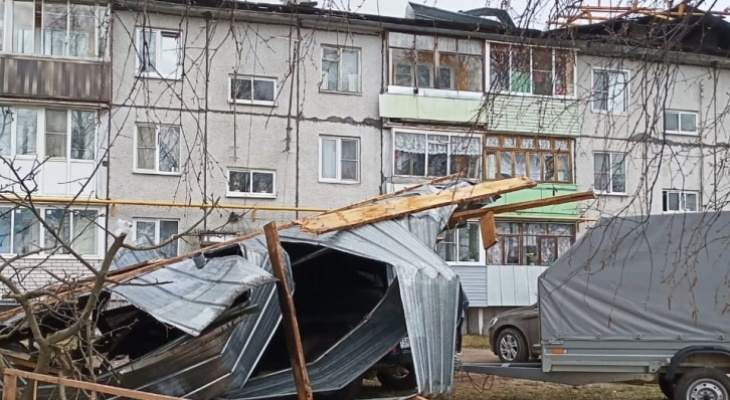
{"x":511,"y":346}
{"x":702,"y":384}
{"x":399,"y":377}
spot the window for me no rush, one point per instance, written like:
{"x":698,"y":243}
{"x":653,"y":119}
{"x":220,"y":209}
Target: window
{"x":159,"y":53}
{"x":19,"y":133}
{"x":340,"y":69}
{"x":339,"y":159}
{"x":463,"y":245}
{"x":680,"y":201}
{"x":432,"y":155}
{"x":609,"y":173}
{"x":251,"y":183}
{"x":540,"y":158}
{"x":150,"y":232}
{"x":680,"y":122}
{"x":21,"y":232}
{"x":531,"y":70}
{"x":530,"y":243}
{"x":56,"y":28}
{"x":436,"y":62}
{"x":253,"y":90}
{"x":158,"y":149}
{"x":610,"y":91}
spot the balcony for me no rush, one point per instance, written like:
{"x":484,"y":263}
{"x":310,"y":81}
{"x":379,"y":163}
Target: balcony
{"x":500,"y":112}
{"x":46,"y":78}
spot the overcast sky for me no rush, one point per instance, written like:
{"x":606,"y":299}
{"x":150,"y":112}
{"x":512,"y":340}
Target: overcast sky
{"x":397,"y":8}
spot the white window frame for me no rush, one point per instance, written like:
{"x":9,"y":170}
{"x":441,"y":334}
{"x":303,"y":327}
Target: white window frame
{"x":258,"y":195}
{"x":611,"y":154}
{"x":488,"y":71}
{"x":156,"y":171}
{"x":100,"y":245}
{"x":338,"y":155}
{"x":40,"y":139}
{"x":157,"y":222}
{"x":475,"y":136}
{"x":627,"y":91}
{"x":682,"y":194}
{"x":253,"y":78}
{"x":103,"y":21}
{"x":482,"y":261}
{"x":339,"y":69}
{"x":158,"y":34}
{"x":679,"y":131}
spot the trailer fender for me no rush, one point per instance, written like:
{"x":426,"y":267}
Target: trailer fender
{"x":690,"y":351}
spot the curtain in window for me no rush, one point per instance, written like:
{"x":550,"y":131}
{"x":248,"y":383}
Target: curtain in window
{"x":169,"y":142}
{"x":27,"y":131}
{"x":85,"y":231}
{"x":350,"y":81}
{"x":438,"y":155}
{"x":410,"y":154}
{"x":601,"y":171}
{"x":330,"y":69}
{"x":26,"y":232}
{"x":466,"y":155}
{"x":329,"y":158}
{"x":147,"y":48}
{"x":169,"y":55}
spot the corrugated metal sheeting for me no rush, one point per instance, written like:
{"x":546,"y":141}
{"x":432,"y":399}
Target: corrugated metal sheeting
{"x":512,"y":285}
{"x":191,"y":298}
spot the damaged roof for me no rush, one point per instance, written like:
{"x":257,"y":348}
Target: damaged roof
{"x":191,"y":298}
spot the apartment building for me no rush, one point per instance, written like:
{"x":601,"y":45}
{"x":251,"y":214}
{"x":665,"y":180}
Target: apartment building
{"x":154,"y":112}
{"x":55,"y":101}
{"x":641,"y":128}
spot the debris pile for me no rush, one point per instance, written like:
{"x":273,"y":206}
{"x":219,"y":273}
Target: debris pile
{"x":363,"y":277}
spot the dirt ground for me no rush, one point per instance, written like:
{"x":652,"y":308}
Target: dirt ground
{"x":472,"y":387}
{"x":479,"y":387}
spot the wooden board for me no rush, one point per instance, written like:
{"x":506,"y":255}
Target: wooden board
{"x":488,"y":226}
{"x":369,"y":214}
{"x":523,"y":205}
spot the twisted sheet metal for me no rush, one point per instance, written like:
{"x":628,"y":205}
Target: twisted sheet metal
{"x":378,"y":333}
{"x":429,"y":290}
{"x":191,"y":298}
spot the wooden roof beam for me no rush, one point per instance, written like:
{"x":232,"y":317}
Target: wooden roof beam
{"x":352,"y":218}
{"x":523,"y":205}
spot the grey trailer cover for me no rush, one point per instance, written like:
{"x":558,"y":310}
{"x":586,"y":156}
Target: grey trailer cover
{"x":657,"y":278}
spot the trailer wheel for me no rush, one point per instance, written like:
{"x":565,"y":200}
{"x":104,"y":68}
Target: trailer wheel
{"x":667,"y":387}
{"x":703,"y":384}
{"x":511,"y":346}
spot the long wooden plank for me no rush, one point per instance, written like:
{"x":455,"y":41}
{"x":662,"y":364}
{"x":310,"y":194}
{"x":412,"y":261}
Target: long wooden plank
{"x":397,"y":192}
{"x":523,"y":205}
{"x":10,"y":387}
{"x":94,"y":387}
{"x":380,"y":212}
{"x":289,"y":316}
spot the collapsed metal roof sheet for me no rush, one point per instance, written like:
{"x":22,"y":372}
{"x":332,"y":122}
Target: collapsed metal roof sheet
{"x":429,"y":289}
{"x":190,"y":298}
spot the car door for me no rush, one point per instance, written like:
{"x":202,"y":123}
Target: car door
{"x":533,"y":329}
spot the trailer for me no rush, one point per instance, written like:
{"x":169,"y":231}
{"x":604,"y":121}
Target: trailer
{"x":637,"y":299}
